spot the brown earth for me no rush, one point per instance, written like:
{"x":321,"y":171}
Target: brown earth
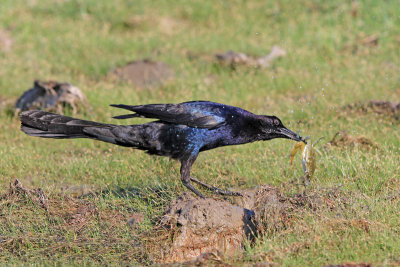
{"x":384,"y":108}
{"x":343,"y":139}
{"x":200,"y":226}
{"x":145,"y":73}
{"x":192,"y":231}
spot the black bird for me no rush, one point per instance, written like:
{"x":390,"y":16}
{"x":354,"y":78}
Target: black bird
{"x":181,"y":131}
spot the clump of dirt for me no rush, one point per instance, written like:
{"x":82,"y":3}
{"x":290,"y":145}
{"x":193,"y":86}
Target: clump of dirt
{"x":385,"y":108}
{"x":233,"y":59}
{"x":197,"y":226}
{"x":51,"y":96}
{"x":343,"y":139}
{"x":205,"y":225}
{"x":145,"y":73}
{"x":362,"y":42}
{"x":37,"y":196}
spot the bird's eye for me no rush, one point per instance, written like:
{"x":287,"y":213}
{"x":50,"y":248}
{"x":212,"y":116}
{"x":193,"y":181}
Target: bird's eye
{"x":276,"y":122}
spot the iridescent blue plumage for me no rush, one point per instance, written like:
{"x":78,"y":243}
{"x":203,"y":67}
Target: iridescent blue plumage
{"x":181,"y":131}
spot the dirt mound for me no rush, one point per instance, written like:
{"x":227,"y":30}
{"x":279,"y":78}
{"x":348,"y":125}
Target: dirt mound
{"x":205,"y":225}
{"x":343,"y":139}
{"x":197,"y":226}
{"x":145,"y":73}
{"x":232,"y":58}
{"x":51,"y":96}
{"x":385,"y":108}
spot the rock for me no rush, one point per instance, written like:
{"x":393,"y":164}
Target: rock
{"x":145,"y":73}
{"x":51,"y":95}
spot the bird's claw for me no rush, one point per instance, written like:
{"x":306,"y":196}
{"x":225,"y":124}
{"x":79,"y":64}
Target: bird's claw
{"x":216,"y":189}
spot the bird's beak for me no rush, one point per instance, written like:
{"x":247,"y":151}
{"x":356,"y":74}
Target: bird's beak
{"x":291,"y":135}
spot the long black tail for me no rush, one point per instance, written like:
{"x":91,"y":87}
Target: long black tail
{"x":50,"y":125}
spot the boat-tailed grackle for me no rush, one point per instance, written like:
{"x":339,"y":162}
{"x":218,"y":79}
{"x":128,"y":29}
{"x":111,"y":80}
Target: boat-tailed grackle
{"x":180,"y":131}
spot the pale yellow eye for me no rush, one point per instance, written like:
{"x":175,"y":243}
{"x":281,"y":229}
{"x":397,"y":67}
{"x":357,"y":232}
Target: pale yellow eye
{"x":276,"y":122}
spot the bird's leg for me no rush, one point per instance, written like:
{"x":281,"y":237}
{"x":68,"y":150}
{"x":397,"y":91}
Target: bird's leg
{"x":185,"y":175}
{"x":216,"y":189}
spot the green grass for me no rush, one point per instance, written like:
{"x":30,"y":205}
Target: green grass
{"x":326,"y":68}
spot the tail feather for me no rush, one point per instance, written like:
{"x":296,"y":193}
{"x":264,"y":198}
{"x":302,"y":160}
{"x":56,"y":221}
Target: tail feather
{"x":153,"y":137}
{"x":49,"y":125}
{"x":45,"y":134}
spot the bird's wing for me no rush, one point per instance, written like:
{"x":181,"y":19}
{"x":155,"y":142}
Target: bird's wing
{"x":193,"y":114}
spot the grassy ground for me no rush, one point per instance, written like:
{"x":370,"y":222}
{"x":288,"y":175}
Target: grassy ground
{"x":327,"y":67}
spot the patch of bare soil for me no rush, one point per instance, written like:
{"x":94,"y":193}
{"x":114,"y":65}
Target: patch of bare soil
{"x":6,"y":41}
{"x":52,"y":96}
{"x":197,"y":226}
{"x":344,"y":140}
{"x":385,"y":108}
{"x":145,"y":73}
{"x":233,"y":59}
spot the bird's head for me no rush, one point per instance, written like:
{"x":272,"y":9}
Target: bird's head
{"x":271,"y":127}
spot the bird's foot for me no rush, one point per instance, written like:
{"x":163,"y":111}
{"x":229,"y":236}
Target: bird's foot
{"x":193,"y":189}
{"x":215,"y":189}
